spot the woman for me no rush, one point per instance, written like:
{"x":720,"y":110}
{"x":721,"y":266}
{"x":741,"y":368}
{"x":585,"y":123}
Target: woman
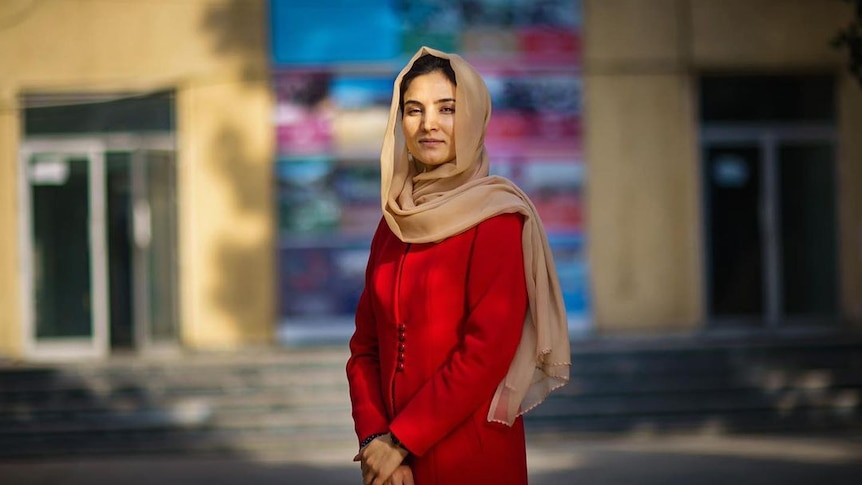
{"x":461,"y":326}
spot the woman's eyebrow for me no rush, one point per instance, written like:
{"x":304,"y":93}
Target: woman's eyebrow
{"x":439,"y":101}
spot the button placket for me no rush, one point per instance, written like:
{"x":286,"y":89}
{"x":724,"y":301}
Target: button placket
{"x":402,"y":339}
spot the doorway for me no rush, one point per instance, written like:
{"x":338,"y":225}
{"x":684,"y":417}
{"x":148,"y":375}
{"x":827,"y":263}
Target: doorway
{"x":770,"y":208}
{"x":100,"y":244}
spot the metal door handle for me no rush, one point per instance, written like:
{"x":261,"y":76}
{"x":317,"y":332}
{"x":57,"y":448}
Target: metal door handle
{"x":142,"y":226}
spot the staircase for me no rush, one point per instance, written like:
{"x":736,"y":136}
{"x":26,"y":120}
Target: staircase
{"x":276,"y":402}
{"x":797,"y":384}
{"x":290,"y":402}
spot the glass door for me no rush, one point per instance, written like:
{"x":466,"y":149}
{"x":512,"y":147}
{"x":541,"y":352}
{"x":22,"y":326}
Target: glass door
{"x":735,"y":240}
{"x":142,"y":242}
{"x":66,"y":310}
{"x":809,"y":240}
{"x":154,"y":232}
{"x":100,"y":237}
{"x":770,"y":227}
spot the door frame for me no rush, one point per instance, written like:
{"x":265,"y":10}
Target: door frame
{"x":767,"y":137}
{"x":96,"y":345}
{"x":94,"y":148}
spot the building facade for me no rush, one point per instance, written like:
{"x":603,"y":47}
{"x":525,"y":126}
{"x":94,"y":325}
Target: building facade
{"x":679,"y":93}
{"x":136,"y":177}
{"x":140,"y":169}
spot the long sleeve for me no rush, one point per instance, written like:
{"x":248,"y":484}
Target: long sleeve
{"x":363,"y":367}
{"x":497,"y":300}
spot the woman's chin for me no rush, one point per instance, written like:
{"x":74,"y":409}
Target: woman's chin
{"x":433,"y":162}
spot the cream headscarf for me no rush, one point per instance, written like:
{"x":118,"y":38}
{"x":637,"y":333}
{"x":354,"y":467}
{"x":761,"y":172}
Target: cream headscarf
{"x":432,"y":206}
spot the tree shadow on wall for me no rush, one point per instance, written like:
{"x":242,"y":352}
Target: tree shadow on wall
{"x":244,"y":285}
{"x":245,"y":281}
{"x":239,"y":29}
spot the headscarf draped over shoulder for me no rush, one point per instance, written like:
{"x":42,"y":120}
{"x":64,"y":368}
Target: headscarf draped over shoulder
{"x":422,"y":207}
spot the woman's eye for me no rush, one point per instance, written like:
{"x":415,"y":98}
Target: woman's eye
{"x":448,"y":109}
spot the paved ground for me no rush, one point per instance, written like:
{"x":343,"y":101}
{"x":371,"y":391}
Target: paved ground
{"x":554,"y":460}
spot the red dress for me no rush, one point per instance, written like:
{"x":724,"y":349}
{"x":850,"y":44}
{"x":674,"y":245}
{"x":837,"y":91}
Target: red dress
{"x":436,"y":329}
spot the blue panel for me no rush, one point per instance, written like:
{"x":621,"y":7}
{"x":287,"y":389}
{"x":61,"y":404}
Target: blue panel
{"x":361,"y":92}
{"x":333,"y":31}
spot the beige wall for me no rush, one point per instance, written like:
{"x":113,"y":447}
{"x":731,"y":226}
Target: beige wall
{"x":765,"y":34}
{"x":213,"y":53}
{"x":640,"y":142}
{"x":632,"y":35}
{"x":643,"y":215}
{"x":228,"y":251}
{"x":10,"y":339}
{"x":641,"y":62}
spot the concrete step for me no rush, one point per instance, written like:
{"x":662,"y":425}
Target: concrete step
{"x":279,"y":400}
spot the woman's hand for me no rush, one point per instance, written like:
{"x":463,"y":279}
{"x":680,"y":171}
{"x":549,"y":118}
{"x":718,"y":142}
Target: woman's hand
{"x":380,"y":459}
{"x":403,"y":475}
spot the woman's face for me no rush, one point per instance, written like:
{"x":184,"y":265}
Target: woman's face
{"x":428,"y":120}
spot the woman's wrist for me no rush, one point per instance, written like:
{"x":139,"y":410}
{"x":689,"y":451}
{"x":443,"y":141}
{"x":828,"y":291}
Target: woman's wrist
{"x":369,"y":439}
{"x":397,"y":443}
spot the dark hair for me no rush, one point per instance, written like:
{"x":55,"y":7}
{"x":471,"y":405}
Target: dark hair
{"x":425,"y":65}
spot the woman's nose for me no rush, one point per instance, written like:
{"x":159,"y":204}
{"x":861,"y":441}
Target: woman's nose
{"x":429,"y":121}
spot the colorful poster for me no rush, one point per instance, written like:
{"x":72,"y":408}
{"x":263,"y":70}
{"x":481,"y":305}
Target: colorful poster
{"x":303,"y":115}
{"x":334,"y":63}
